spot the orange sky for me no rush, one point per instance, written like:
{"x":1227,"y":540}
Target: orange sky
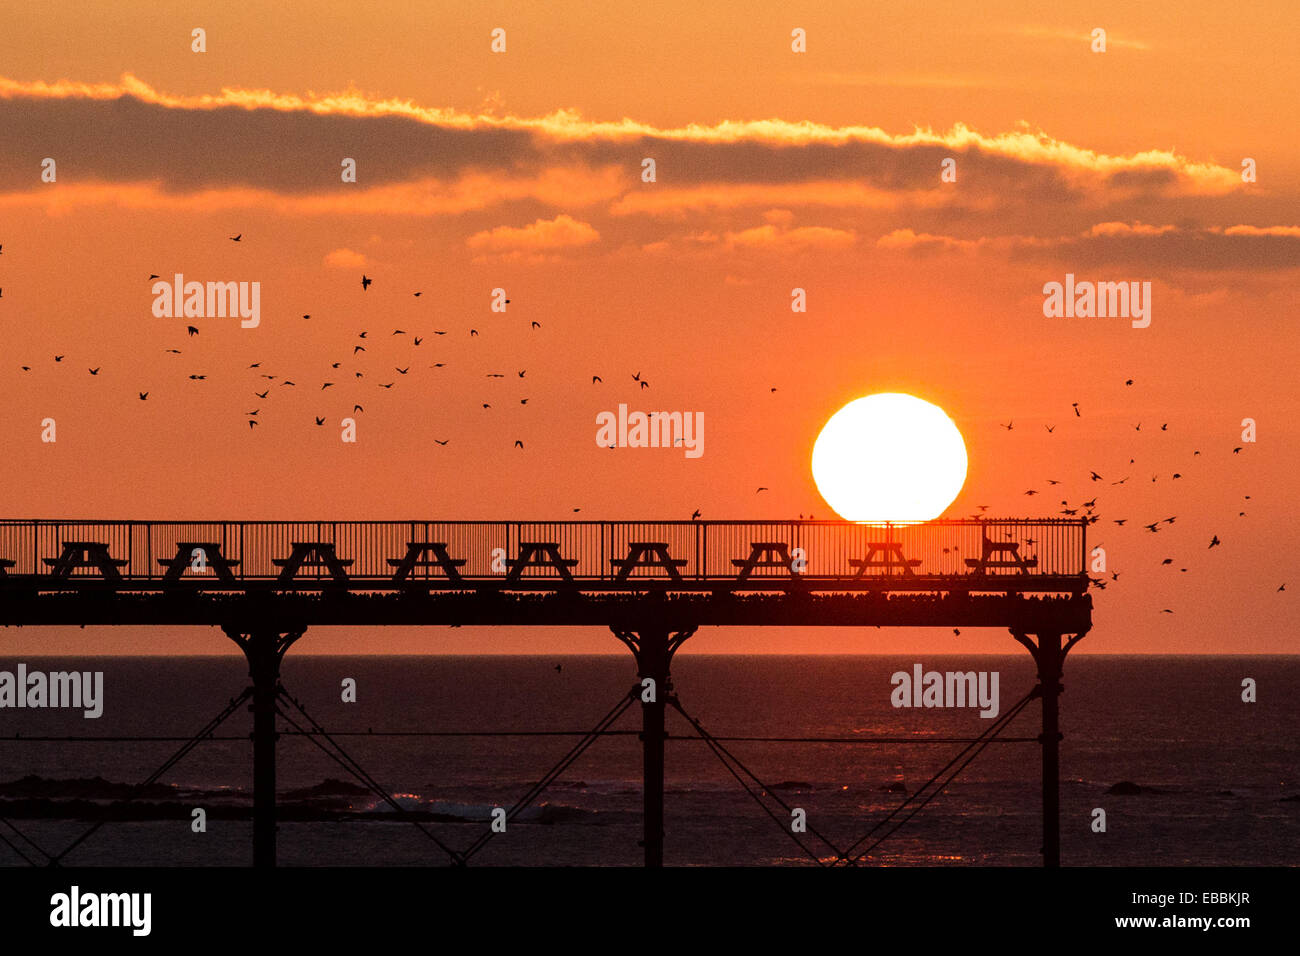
{"x":775,"y":170}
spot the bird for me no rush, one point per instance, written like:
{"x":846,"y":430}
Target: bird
{"x":382,"y":385}
{"x":253,"y":412}
{"x":1075,"y":406}
{"x":536,"y":325}
{"x":365,"y":282}
{"x":154,"y":275}
{"x":1167,"y":561}
{"x":1237,"y":449}
{"x":1128,"y":381}
{"x":957,"y":631}
{"x":1282,"y":587}
{"x":235,"y":238}
{"x":362,"y":335}
{"x":1050,"y":428}
{"x":335,"y":364}
{"x":764,"y":488}
{"x":256,"y":365}
{"x":263,"y":394}
{"x":418,"y":340}
{"x":1053,"y":481}
{"x":1031,"y":492}
{"x":473,"y":332}
{"x":518,"y":443}
{"x":696,"y":514}
{"x":307,"y":316}
{"x":1166,"y":611}
{"x":523,"y":401}
{"x":1215,"y":542}
{"x":58,"y":358}
{"x":358,"y":348}
{"x":1119,"y":521}
{"x":495,"y":375}
{"x":326,"y":385}
{"x":252,"y":422}
{"x":399,"y":331}
{"x":441,"y":441}
{"x":357,"y":408}
{"x":1009,"y":425}
{"x":144,"y":396}
{"x":191,"y":330}
{"x":198,"y":378}
{"x":521,"y":374}
{"x":173,"y":351}
{"x":1152,"y":527}
{"x":402,"y":371}
{"x":1094,"y":476}
{"x":95,"y":371}
{"x":595,"y":379}
{"x":559,"y":668}
{"x":1137,"y":427}
{"x":319,"y":421}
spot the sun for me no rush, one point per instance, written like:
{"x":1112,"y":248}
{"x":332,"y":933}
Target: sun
{"x":889,"y":457}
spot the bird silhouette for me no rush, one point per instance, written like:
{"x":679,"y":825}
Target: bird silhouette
{"x":95,"y":371}
{"x":1009,"y":425}
{"x":1215,"y":542}
{"x":191,"y":330}
{"x":536,"y":325}
{"x":764,"y":488}
{"x":518,"y":443}
{"x":1050,"y":428}
{"x":319,"y":421}
{"x":595,"y":379}
{"x":403,"y":371}
{"x":58,"y":358}
{"x":263,"y":394}
{"x":1075,"y":406}
{"x":144,"y":396}
{"x":695,"y":514}
{"x":365,"y":282}
{"x":235,"y":238}
{"x":441,"y":441}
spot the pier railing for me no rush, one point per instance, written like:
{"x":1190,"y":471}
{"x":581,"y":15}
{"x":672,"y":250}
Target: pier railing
{"x":613,"y":553}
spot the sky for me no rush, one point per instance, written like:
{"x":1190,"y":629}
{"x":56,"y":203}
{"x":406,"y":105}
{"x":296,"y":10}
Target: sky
{"x":774,"y":170}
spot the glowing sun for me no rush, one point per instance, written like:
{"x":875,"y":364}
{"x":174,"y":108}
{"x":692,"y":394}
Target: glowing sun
{"x":889,"y":457}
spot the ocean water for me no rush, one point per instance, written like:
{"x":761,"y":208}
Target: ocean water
{"x":1218,"y":778}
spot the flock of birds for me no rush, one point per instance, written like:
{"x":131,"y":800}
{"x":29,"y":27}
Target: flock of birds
{"x":1087,"y":510}
{"x":339,"y":371}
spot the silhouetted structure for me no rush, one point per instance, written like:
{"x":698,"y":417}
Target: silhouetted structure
{"x":651,"y":583}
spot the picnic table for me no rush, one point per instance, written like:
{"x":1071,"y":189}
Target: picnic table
{"x":418,"y":556}
{"x":1007,"y":554}
{"x":647,"y":554}
{"x":313,"y":554}
{"x":764,"y":554}
{"x":891,"y":557}
{"x":211,"y":557}
{"x":85,"y":554}
{"x":539,"y":554}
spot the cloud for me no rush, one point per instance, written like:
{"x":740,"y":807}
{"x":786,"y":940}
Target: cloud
{"x":906,"y":239}
{"x":292,"y":145}
{"x":562,"y":232}
{"x":345,"y":259}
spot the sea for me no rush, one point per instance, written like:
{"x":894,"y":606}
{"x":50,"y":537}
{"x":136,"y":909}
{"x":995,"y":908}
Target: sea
{"x":1162,"y":764}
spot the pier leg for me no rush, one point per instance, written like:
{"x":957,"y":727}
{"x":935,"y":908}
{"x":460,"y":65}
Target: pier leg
{"x":264,"y":650}
{"x":653,"y":649}
{"x":1049,"y":681}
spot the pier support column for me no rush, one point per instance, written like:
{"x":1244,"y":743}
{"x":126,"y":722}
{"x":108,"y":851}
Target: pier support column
{"x":264,"y":648}
{"x":653,"y":648}
{"x":1049,"y":655}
